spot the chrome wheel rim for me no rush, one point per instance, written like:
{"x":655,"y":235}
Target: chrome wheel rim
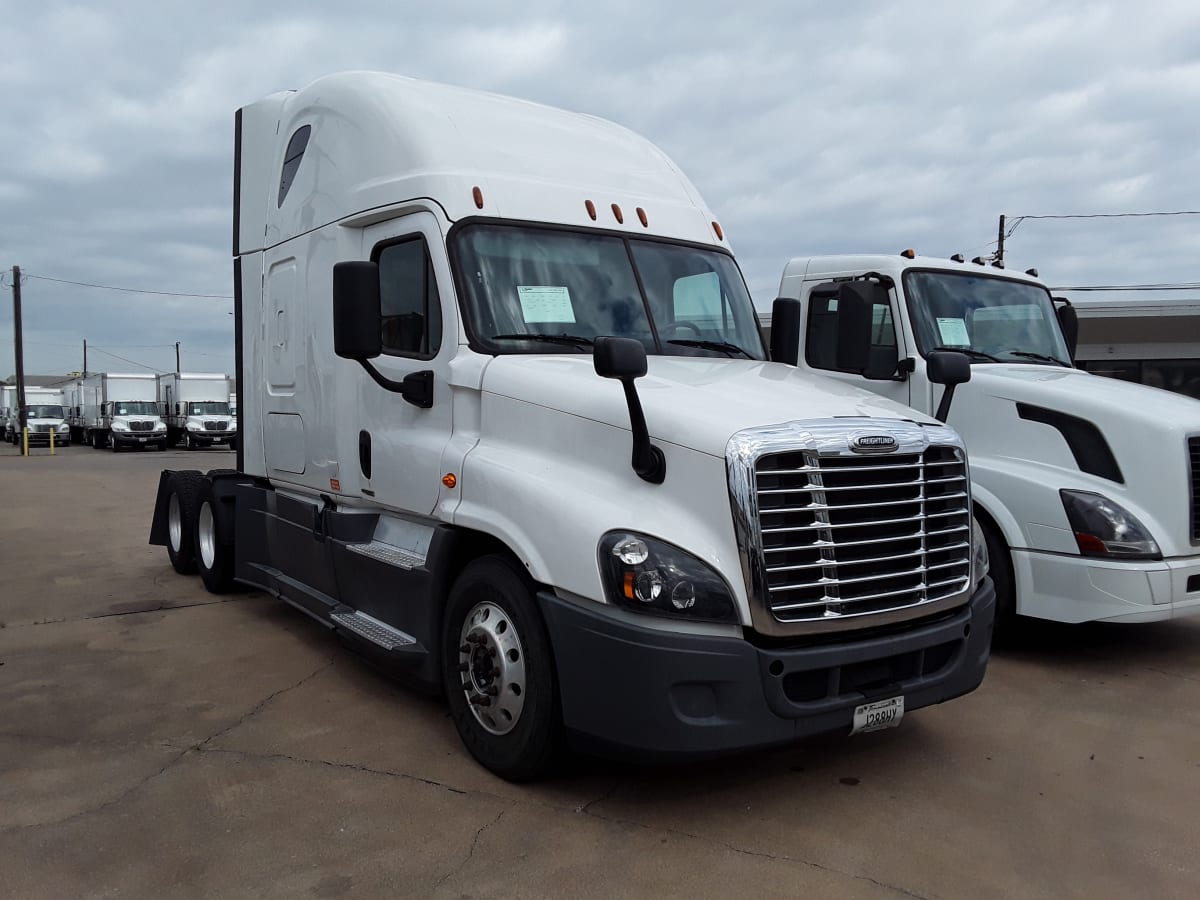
{"x":491,"y":664}
{"x":174,"y":523}
{"x":207,"y":535}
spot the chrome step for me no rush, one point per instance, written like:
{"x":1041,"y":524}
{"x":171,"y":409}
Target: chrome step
{"x":386,"y":553}
{"x":373,"y":630}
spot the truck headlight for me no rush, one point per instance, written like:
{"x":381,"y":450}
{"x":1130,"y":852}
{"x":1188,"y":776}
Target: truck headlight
{"x":120,"y":426}
{"x":63,"y":428}
{"x":193,"y":426}
{"x":160,"y":426}
{"x":979,"y":555}
{"x":1105,"y":528}
{"x":652,"y":576}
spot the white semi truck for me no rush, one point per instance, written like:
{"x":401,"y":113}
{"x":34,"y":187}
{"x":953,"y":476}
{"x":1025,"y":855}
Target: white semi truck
{"x":510,"y":427}
{"x":1088,"y":489}
{"x":45,"y":415}
{"x":195,"y":406}
{"x":116,"y":411}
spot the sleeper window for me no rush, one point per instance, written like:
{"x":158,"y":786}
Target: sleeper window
{"x":291,"y":160}
{"x":411,"y":315}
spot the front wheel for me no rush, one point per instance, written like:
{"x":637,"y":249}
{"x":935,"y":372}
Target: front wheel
{"x":498,"y":672}
{"x":1000,"y":567}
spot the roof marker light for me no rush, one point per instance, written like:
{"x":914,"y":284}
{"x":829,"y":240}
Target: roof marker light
{"x":717,"y":231}
{"x":1032,"y":272}
{"x":619,"y":215}
{"x":997,"y":264}
{"x":910,"y":253}
{"x":478,"y":195}
{"x":958,"y":257}
{"x":642,"y":217}
{"x":591,"y":208}
{"x":979,"y":261}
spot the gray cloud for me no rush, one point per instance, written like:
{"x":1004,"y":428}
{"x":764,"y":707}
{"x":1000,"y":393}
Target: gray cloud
{"x":808,"y":127}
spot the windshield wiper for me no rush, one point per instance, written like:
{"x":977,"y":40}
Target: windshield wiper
{"x":974,"y":354}
{"x":722,"y":346}
{"x":1028,"y":354}
{"x":571,"y":340}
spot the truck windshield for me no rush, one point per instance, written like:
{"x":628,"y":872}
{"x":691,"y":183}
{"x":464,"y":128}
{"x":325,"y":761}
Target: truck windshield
{"x":541,"y":290}
{"x":991,"y":319}
{"x":135,"y":408}
{"x":45,"y":411}
{"x":209,"y":408}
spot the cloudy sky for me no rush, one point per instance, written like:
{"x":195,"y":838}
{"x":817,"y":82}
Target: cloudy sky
{"x":809,"y":127}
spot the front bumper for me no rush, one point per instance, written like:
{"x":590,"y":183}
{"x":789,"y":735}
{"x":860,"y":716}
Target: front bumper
{"x":42,"y":439}
{"x":1068,"y":588}
{"x":644,"y":693}
{"x":210,"y":438}
{"x":138,"y":438}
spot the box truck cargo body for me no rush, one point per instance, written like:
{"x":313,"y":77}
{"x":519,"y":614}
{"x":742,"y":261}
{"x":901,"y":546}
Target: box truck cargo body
{"x":116,"y":411}
{"x":509,"y":427}
{"x":196,"y":409}
{"x":1088,"y":489}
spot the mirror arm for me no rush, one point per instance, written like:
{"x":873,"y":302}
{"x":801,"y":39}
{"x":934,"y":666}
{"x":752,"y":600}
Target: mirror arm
{"x":943,"y":410}
{"x":648,"y":461}
{"x":416,"y":388}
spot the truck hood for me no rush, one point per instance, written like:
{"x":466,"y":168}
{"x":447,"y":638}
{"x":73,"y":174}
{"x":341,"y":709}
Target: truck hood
{"x":1109,"y":403}
{"x":699,"y":403}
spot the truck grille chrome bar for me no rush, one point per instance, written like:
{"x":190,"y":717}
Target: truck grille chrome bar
{"x":1194,"y":457}
{"x":833,"y":539}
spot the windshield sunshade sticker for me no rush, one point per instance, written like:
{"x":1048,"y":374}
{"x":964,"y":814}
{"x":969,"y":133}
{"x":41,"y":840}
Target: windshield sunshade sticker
{"x":546,"y":304}
{"x":953,"y":332}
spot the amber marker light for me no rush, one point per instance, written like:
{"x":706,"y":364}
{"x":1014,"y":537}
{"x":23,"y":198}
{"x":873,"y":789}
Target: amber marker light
{"x":642,"y":217}
{"x":449,"y":480}
{"x":628,"y":586}
{"x":717,"y":231}
{"x":617,"y":212}
{"x":591,"y":208}
{"x":478,"y":195}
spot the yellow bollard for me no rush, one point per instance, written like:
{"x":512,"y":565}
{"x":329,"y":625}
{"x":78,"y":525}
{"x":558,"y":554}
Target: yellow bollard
{"x":25,"y":441}
{"x":51,"y":441}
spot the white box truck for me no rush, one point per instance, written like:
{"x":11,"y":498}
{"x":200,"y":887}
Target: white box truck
{"x":1088,"y":489}
{"x":8,"y":403}
{"x":45,"y":414}
{"x":195,"y":406}
{"x":116,"y":411}
{"x":510,"y":428}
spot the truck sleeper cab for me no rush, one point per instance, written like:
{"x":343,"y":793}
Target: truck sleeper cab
{"x":1088,"y":489}
{"x":508,"y":425}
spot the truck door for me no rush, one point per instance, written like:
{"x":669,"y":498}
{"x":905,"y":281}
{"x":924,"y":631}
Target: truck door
{"x":826,"y":334}
{"x":400,"y":444}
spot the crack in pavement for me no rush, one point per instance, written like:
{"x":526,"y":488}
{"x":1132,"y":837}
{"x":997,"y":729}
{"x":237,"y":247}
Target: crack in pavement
{"x":607,"y":795}
{"x":470,"y":851}
{"x":131,"y":612}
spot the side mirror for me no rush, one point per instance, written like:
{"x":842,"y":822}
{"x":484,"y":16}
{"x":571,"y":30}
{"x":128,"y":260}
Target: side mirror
{"x":625,"y":360}
{"x":786,"y":316}
{"x":951,"y":369}
{"x":356,"y":311}
{"x":1068,"y":321}
{"x":856,"y":302}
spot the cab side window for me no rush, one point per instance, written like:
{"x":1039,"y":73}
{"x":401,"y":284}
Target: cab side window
{"x":821,"y":338}
{"x":411,"y":323}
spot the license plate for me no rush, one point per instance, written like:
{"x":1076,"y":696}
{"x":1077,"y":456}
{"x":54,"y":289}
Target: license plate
{"x":141,"y":440}
{"x":878,"y":715}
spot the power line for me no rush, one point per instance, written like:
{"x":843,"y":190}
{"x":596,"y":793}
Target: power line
{"x":132,"y":362}
{"x":109,"y":287}
{"x":1017,"y":220}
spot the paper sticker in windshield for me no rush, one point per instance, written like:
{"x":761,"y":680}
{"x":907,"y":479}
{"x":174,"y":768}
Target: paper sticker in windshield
{"x":953,"y":332}
{"x":546,"y":304}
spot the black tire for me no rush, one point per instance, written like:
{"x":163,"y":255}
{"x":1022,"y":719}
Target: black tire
{"x":112,"y":443}
{"x":183,"y":497}
{"x":1000,"y":567}
{"x":213,"y":547}
{"x":528,"y":749}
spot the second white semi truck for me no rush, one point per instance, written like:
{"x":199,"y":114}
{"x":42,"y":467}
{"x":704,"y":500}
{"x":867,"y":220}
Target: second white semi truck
{"x":509,"y":427}
{"x":116,"y":411}
{"x":195,"y":406}
{"x":1088,"y":489}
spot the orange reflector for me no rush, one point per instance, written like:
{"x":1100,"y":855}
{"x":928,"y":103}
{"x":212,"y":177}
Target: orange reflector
{"x":909,"y":253}
{"x":478,"y":195}
{"x":629,"y":585}
{"x":642,"y":217}
{"x":618,"y":214}
{"x":449,"y":480}
{"x":717,"y":230}
{"x":591,"y":208}
{"x":335,"y":484}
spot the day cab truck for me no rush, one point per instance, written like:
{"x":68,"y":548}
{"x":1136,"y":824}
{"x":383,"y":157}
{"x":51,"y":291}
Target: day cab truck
{"x":1087,"y":489}
{"x":116,"y":411}
{"x":45,"y":415}
{"x":195,"y":406}
{"x":509,"y":427}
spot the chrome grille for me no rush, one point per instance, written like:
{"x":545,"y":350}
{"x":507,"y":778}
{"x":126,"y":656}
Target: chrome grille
{"x":141,"y":426}
{"x":40,"y":429}
{"x":1194,"y":456}
{"x":215,"y":426}
{"x":829,"y":535}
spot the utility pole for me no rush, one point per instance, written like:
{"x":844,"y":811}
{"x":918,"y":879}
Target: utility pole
{"x":1000,"y":241}
{"x":85,"y":357}
{"x":177,"y":369}
{"x":18,"y":350}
